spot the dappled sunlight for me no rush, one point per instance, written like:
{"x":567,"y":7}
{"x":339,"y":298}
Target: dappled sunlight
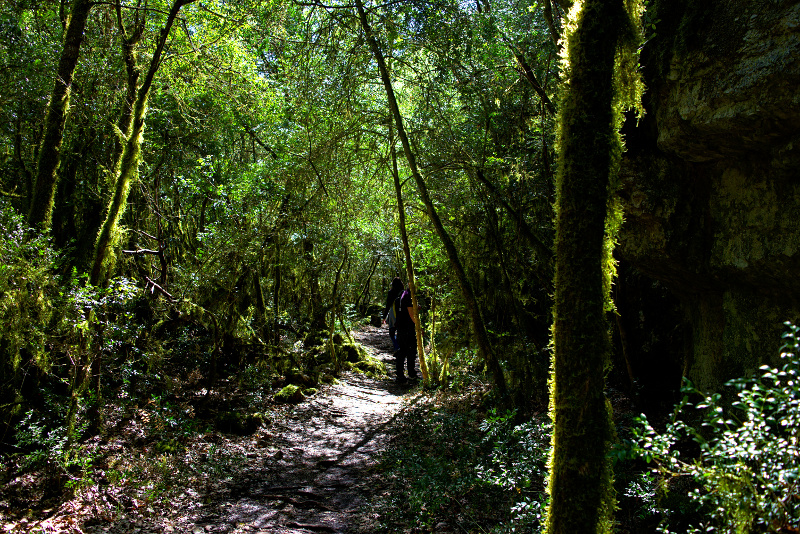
{"x":308,"y":468}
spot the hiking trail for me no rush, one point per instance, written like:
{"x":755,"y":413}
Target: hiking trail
{"x":310,"y":470}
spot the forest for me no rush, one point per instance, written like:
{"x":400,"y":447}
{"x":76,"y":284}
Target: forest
{"x":594,"y":204}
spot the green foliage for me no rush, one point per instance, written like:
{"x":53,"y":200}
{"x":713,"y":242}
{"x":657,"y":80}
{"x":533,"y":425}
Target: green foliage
{"x":746,"y":471}
{"x":517,"y":462}
{"x":27,"y":289}
{"x":476,"y":475}
{"x":50,"y":451}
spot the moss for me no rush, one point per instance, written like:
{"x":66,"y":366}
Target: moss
{"x":602,"y":81}
{"x":315,"y":338}
{"x":290,"y":394}
{"x":328,"y":379}
{"x":167,"y":447}
{"x":352,"y":353}
{"x":372,"y":367}
{"x":310,"y":392}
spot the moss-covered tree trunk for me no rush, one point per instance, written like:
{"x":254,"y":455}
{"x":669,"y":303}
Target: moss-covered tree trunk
{"x":127,"y":168}
{"x":40,"y":212}
{"x":337,"y":360}
{"x":581,"y":495}
{"x":481,"y":336}
{"x":130,"y":40}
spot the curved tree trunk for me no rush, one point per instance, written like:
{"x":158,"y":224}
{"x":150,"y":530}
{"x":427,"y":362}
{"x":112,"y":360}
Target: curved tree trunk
{"x":412,"y":283}
{"x":128,"y":167}
{"x":481,"y":336}
{"x":40,"y":213}
{"x":581,"y":495}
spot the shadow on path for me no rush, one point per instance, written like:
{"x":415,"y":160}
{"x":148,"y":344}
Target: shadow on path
{"x":313,"y":469}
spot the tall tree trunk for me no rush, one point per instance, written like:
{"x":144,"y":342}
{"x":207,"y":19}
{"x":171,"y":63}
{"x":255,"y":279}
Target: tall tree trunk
{"x":544,"y":252}
{"x":130,"y":40}
{"x":318,"y":310}
{"x":481,"y":336}
{"x":365,"y":291}
{"x":128,"y":167}
{"x":412,"y":283}
{"x":334,"y":305}
{"x":581,"y":495}
{"x":40,"y":213}
{"x":276,"y":295}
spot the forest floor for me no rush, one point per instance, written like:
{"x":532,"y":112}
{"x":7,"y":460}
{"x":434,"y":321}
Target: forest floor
{"x":311,"y":468}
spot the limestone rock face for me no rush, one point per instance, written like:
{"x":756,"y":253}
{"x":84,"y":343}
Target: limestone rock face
{"x":738,"y":92}
{"x":711,"y":183}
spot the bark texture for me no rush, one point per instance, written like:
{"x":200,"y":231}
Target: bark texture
{"x":580,"y":478}
{"x":128,"y":167}
{"x":412,"y":283}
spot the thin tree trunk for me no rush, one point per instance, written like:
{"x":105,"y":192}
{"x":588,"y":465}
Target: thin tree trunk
{"x":543,"y":252}
{"x":276,"y":295}
{"x":128,"y":167}
{"x":365,"y":291}
{"x":412,"y":283}
{"x":581,"y":494}
{"x":40,"y":213}
{"x":334,"y":295}
{"x":548,"y":17}
{"x":481,"y":336}
{"x":318,"y":309}
{"x":129,"y":42}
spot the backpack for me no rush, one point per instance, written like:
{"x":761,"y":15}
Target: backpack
{"x":391,"y":317}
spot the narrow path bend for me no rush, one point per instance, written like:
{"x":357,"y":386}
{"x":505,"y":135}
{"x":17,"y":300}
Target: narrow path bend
{"x":313,"y":469}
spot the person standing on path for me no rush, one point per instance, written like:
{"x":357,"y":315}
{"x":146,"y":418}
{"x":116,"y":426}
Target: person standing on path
{"x":407,"y":338}
{"x":394,"y":291}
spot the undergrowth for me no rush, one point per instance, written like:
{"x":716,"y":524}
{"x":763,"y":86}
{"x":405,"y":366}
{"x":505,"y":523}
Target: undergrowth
{"x":728,"y":467}
{"x":462,"y":468}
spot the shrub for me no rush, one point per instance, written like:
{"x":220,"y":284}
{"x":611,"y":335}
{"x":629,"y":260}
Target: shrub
{"x":748,"y":467}
{"x":27,"y":264}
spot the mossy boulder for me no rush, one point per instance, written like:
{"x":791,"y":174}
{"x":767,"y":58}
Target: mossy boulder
{"x":315,"y":338}
{"x":370,"y":366}
{"x":290,"y":394}
{"x":327,"y":376}
{"x":297,"y":377}
{"x":352,"y":353}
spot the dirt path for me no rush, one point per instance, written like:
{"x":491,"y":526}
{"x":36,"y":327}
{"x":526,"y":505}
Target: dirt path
{"x":310,"y":470}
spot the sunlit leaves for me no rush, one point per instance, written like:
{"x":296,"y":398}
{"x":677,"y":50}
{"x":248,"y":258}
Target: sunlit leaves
{"x":748,"y":467}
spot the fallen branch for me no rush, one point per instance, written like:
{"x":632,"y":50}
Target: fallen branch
{"x":141,"y":251}
{"x":153,"y":286}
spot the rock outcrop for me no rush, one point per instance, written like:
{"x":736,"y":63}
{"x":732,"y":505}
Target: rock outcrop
{"x":711,"y":185}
